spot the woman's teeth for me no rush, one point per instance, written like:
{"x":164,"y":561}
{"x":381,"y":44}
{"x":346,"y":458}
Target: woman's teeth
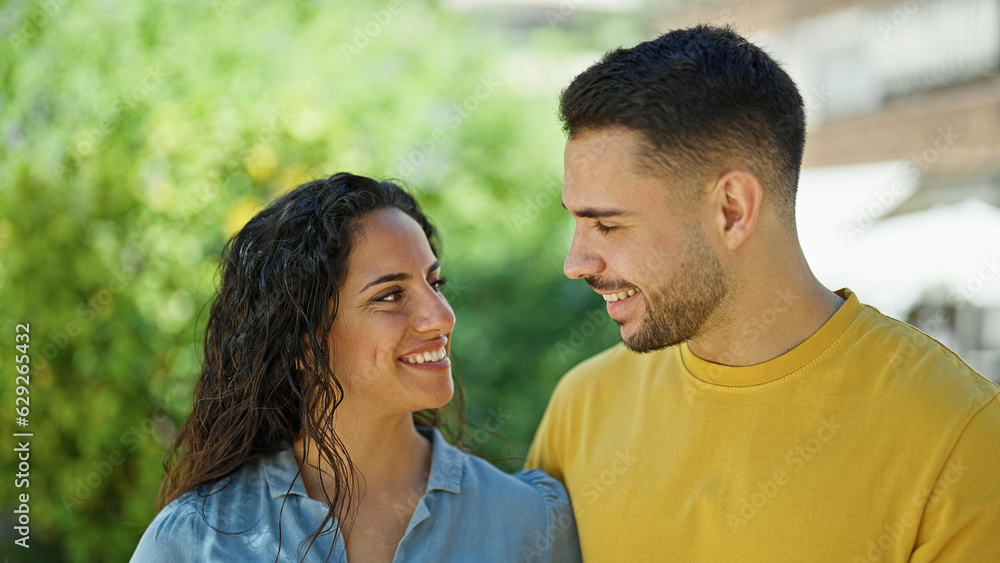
{"x":619,"y":296}
{"x":427,"y":356}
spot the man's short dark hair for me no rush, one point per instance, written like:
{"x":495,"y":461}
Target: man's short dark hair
{"x":706,"y":100}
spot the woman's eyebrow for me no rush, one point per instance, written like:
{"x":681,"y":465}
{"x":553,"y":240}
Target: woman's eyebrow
{"x":399,"y":276}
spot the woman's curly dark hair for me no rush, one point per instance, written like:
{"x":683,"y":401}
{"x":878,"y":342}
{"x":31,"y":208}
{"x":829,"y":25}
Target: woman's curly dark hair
{"x":266,"y":378}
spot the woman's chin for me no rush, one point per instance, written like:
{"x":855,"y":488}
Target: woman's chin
{"x":436,"y":396}
{"x":441,"y":398}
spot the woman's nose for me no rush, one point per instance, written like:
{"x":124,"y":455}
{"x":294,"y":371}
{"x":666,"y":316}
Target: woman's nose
{"x":435,"y":313}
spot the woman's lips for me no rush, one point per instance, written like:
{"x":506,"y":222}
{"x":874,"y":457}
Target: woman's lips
{"x":433,"y":354}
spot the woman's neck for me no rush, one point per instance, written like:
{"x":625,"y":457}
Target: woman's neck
{"x":391,"y":462}
{"x":390,"y":458}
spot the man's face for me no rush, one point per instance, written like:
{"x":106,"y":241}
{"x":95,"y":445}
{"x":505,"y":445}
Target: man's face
{"x":636,"y":243}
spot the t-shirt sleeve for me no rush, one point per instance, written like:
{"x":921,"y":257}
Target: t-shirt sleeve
{"x":961,"y":518}
{"x":174,"y":536}
{"x":546,"y":452}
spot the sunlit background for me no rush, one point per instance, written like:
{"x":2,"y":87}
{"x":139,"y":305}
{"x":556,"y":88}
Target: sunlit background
{"x":135,"y":137}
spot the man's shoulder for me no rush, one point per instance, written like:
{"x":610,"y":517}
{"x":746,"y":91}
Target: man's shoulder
{"x":916,"y":364}
{"x":615,"y":366}
{"x":595,"y":368}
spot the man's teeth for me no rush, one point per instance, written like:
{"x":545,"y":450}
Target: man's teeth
{"x":619,"y":296}
{"x":427,"y":356}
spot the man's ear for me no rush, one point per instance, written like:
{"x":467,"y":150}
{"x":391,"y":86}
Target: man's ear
{"x":735,"y":202}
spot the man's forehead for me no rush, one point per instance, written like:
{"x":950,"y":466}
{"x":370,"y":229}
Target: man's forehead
{"x":611,"y":197}
{"x":603,"y":172}
{"x":594,"y":143}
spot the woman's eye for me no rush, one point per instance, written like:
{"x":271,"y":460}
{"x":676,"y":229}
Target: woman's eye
{"x":390,"y":297}
{"x":438,"y":285}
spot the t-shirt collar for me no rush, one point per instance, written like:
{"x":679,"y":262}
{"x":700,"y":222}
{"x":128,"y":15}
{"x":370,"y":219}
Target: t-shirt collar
{"x":788,"y":363}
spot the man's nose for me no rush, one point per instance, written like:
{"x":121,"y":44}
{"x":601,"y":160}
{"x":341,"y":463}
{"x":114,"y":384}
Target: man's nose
{"x":582,"y":261}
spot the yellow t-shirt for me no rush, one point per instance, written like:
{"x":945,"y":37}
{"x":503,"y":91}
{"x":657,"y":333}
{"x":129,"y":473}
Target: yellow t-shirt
{"x":868,"y":442}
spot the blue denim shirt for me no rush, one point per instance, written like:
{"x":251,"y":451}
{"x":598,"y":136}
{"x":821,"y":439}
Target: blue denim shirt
{"x":471,"y":511}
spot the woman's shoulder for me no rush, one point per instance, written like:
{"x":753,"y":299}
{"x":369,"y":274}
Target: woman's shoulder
{"x":174,"y":533}
{"x":525,"y":495}
{"x":521,"y":486}
{"x":454,"y":469}
{"x":530,"y":506}
{"x":235,"y":504}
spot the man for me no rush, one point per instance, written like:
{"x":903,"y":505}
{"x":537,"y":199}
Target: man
{"x":751,"y":415}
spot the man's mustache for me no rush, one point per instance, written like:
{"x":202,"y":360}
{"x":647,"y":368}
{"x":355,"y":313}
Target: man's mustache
{"x":608,"y":286}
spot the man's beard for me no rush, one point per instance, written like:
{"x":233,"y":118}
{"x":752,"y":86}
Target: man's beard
{"x":677,"y":310}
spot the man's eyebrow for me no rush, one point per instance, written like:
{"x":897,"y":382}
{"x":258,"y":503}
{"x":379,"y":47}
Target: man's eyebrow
{"x":597,"y":213}
{"x":400,"y":276}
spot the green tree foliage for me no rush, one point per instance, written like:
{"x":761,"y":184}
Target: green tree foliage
{"x":137,"y":136}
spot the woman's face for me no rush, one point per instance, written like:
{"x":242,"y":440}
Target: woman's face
{"x":390,"y":335}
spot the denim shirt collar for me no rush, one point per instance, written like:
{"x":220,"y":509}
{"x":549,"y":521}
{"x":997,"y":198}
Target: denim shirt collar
{"x":447,"y":467}
{"x":447,"y":464}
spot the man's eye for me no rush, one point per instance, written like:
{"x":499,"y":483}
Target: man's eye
{"x":602,"y":228}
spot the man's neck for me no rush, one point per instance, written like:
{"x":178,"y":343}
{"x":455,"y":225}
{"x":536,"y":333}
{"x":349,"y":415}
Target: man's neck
{"x":762,"y":323}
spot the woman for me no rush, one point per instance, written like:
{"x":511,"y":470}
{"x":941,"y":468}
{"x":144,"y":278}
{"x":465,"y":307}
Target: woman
{"x":314,"y":429}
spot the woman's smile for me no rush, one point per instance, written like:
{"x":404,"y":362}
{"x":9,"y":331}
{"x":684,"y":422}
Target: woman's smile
{"x":432,"y":355}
